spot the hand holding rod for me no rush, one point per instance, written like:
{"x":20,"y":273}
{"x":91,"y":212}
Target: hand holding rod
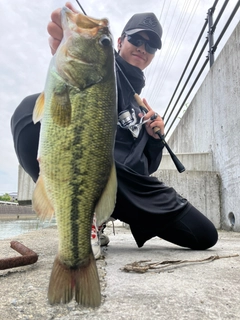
{"x":180,"y":167}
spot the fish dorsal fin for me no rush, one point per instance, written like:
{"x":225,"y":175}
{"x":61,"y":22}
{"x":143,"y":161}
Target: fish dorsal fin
{"x":106,"y":204}
{"x":61,"y":109}
{"x":40,"y":201}
{"x":39,"y":108}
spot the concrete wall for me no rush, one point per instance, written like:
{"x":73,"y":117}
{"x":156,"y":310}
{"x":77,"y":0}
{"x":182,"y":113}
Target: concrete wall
{"x":211,"y":125}
{"x":25,"y":187}
{"x":200,"y":184}
{"x":17,"y":210}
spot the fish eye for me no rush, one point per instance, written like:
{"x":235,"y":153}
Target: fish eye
{"x":105,"y":40}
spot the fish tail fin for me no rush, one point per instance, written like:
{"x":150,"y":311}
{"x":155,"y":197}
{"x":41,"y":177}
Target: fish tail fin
{"x":87,"y":291}
{"x":84,"y":281}
{"x":60,"y":284}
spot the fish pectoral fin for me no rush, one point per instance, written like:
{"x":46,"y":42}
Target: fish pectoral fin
{"x":40,"y":201}
{"x":38,"y":109}
{"x":82,"y":280}
{"x":61,"y":109}
{"x":106,"y":204}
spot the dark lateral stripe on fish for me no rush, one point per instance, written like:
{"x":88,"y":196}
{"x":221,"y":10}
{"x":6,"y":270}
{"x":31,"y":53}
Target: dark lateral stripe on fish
{"x":77,"y":191}
{"x":75,"y":185}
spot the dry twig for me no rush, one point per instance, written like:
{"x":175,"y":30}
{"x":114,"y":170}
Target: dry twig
{"x":145,"y":265}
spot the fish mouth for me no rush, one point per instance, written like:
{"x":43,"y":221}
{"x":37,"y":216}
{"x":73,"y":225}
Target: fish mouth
{"x":85,"y":24}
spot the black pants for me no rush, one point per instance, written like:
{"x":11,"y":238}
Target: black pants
{"x":191,"y":229}
{"x":186,"y":227}
{"x":146,"y":204}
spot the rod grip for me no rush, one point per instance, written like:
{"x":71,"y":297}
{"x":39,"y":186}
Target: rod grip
{"x":180,"y":167}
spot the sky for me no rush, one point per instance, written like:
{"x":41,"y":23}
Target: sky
{"x":25,"y":53}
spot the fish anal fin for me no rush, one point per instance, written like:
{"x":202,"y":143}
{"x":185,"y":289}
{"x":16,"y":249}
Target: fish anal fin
{"x":83,"y":281}
{"x":106,"y":204}
{"x":39,"y":108}
{"x":40,"y":201}
{"x":61,"y":109}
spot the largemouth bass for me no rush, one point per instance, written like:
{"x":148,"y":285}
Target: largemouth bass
{"x":77,"y":173}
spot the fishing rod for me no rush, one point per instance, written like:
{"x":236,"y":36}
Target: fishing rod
{"x":180,"y":167}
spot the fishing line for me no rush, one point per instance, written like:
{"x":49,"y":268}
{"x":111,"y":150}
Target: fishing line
{"x":81,"y":7}
{"x":180,"y":167}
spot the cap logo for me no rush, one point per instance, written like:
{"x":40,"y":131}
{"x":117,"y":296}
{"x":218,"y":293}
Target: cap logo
{"x":149,"y":22}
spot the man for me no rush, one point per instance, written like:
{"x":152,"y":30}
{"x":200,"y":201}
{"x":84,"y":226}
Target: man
{"x":146,"y":204}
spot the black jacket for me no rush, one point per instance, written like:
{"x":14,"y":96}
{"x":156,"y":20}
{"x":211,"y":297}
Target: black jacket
{"x":142,"y":154}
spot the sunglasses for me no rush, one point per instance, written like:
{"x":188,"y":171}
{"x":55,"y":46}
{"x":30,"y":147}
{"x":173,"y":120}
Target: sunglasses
{"x":138,"y":41}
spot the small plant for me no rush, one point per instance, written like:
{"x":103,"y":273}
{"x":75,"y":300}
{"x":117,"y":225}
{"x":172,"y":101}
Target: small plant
{"x":5,"y":197}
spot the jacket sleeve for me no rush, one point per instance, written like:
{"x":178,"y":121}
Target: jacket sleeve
{"x":153,"y":152}
{"x":26,"y":136}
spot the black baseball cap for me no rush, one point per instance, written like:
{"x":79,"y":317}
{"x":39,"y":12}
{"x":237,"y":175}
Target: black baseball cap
{"x":145,"y":22}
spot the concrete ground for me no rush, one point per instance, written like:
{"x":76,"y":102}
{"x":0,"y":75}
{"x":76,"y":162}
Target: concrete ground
{"x":191,"y":290}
